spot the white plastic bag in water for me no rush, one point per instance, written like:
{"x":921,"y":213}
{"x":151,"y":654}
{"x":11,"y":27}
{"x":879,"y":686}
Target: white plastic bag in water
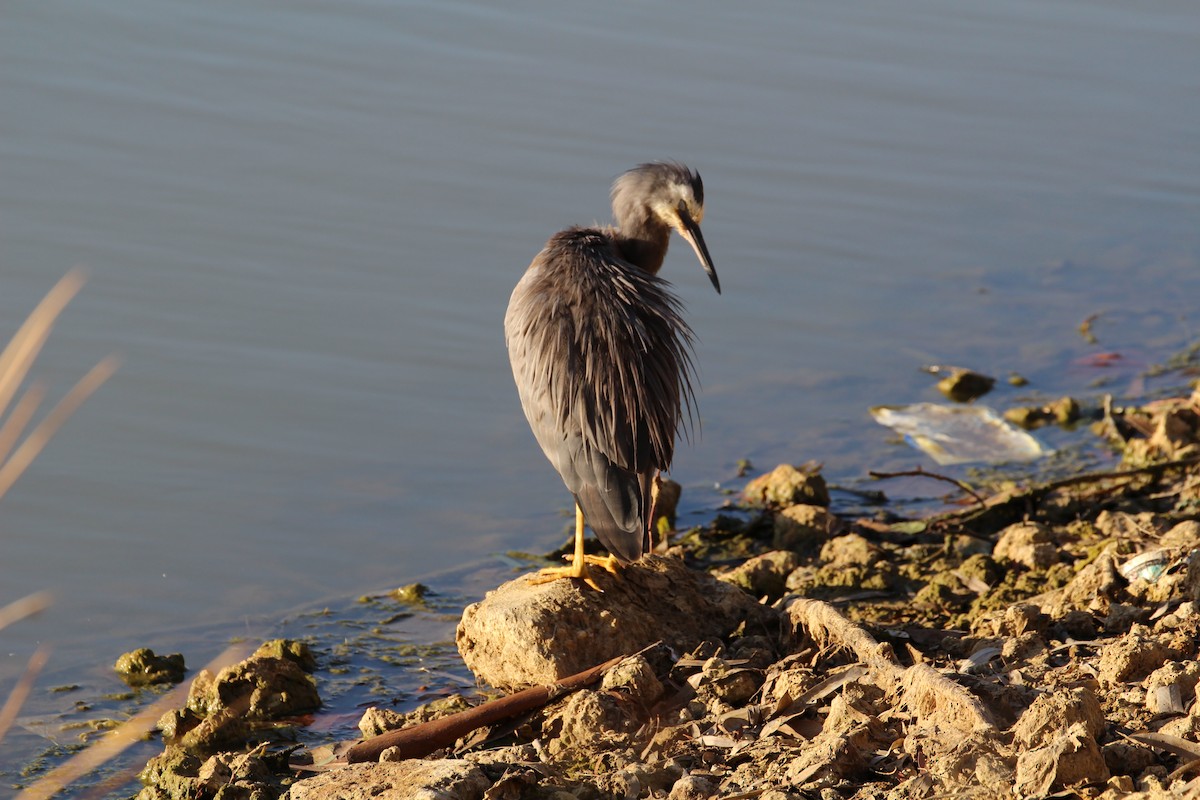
{"x":960,"y":434}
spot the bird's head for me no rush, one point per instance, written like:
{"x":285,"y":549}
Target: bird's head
{"x":674,"y":196}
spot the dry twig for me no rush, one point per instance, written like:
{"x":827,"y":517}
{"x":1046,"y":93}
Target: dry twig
{"x":923,"y":473}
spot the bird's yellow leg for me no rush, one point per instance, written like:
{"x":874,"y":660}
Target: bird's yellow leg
{"x":579,"y":561}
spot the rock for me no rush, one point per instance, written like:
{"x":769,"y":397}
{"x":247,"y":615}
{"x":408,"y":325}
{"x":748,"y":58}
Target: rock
{"x":1190,"y":586}
{"x":1097,"y":583}
{"x":692,"y":787}
{"x":1131,"y":657}
{"x":1126,"y":757}
{"x":258,"y":688}
{"x":380,"y":720}
{"x":1171,"y":686}
{"x":172,"y":773}
{"x":964,"y":385}
{"x":1185,"y":534}
{"x":851,"y":550}
{"x":525,"y":634}
{"x":222,"y":730}
{"x":269,"y":685}
{"x":718,"y":681}
{"x":1053,"y":713}
{"x":227,"y":768}
{"x":764,"y":575}
{"x":1064,"y":411}
{"x":634,"y":677}
{"x":1177,"y":434}
{"x":787,"y":486}
{"x":802,"y":527}
{"x":1076,"y":624}
{"x":414,"y":779}
{"x":1071,"y":758}
{"x":1021,"y":618}
{"x":588,"y":719}
{"x":375,"y":721}
{"x":1122,"y":526}
{"x":296,"y":652}
{"x":410,"y":594}
{"x":179,"y":775}
{"x":142,"y":667}
{"x":1027,"y":543}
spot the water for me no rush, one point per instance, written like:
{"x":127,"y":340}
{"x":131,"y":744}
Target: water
{"x":303,"y":221}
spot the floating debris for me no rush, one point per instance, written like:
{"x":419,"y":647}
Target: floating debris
{"x":960,"y":435}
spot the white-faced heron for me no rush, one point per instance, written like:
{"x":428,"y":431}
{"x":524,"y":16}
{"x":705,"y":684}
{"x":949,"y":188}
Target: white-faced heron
{"x":602,"y":357}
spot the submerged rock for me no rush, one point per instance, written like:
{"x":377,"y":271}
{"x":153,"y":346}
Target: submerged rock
{"x":524,"y":634}
{"x":241,"y":703}
{"x":1064,"y":411}
{"x":261,"y":687}
{"x":142,"y":667}
{"x":964,"y":385}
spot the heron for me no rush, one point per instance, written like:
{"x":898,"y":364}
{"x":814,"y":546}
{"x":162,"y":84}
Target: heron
{"x":602,"y":358}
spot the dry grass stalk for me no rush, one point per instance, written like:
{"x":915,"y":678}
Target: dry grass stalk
{"x":28,"y":450}
{"x":16,"y":454}
{"x":27,"y":342}
{"x":25,"y":607}
{"x":16,"y":698}
{"x":15,"y":362}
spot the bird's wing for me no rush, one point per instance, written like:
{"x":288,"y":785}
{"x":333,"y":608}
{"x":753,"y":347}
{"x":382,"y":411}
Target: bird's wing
{"x":602,"y":361}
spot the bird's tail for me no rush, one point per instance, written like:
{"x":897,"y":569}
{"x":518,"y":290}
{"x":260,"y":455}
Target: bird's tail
{"x":618,"y":515}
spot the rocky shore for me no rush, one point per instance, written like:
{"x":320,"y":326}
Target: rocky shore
{"x":1035,"y":639}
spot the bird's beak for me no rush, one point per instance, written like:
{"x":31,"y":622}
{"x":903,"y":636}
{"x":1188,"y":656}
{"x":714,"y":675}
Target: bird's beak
{"x":690,"y":231}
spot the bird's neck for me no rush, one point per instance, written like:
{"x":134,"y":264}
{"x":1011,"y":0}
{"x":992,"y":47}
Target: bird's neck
{"x":643,"y":243}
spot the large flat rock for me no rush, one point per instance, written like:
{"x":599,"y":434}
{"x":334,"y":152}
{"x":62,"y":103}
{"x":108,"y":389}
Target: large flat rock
{"x":524,"y":634}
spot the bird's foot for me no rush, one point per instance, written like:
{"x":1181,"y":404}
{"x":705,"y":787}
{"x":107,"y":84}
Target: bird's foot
{"x":578,"y":570}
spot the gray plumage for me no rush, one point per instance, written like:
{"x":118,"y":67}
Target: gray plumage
{"x":602,"y":356}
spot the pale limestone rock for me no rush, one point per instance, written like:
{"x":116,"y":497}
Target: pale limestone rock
{"x":525,"y":634}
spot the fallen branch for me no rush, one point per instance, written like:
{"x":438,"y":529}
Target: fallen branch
{"x":424,"y":738}
{"x":921,"y":472}
{"x":930,"y":696}
{"x":827,"y":626}
{"x":1016,"y":503}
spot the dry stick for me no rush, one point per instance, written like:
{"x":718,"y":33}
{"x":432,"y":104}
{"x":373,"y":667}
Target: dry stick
{"x":923,"y":473}
{"x":422,"y":739}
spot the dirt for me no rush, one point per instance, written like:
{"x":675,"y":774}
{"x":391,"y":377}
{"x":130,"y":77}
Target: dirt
{"x":1033,"y":639}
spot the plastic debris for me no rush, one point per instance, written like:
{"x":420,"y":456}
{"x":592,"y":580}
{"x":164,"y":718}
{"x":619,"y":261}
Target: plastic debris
{"x":960,"y":434}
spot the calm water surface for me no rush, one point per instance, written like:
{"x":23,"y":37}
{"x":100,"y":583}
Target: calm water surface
{"x":303,"y":221}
